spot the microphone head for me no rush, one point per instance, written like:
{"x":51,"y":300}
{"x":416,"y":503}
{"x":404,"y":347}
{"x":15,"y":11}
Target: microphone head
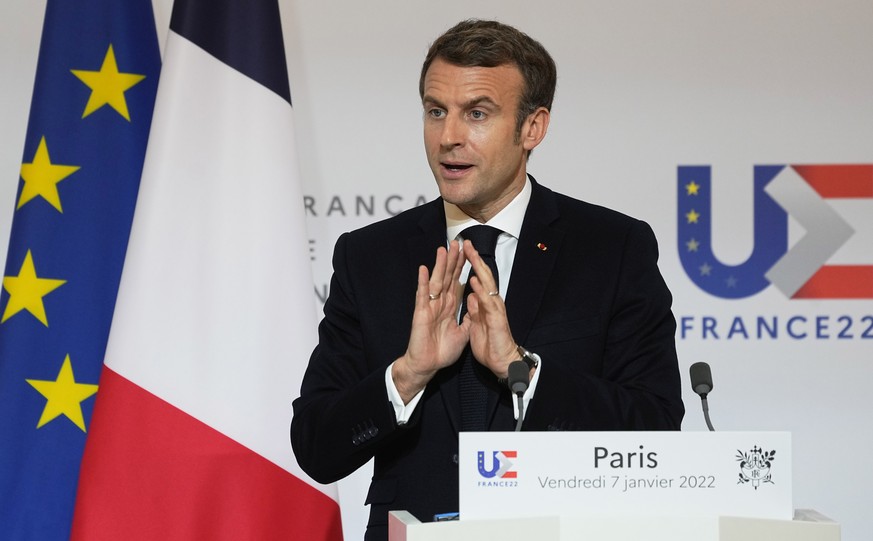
{"x":701,"y":379}
{"x":518,"y":377}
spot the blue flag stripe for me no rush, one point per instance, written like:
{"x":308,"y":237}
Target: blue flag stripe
{"x":249,"y":39}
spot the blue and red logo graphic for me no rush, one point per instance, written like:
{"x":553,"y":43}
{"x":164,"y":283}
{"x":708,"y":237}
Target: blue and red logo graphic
{"x":501,"y":465}
{"x":780,"y":191}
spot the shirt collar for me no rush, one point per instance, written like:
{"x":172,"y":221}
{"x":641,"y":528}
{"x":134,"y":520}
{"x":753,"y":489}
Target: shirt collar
{"x":508,"y":220}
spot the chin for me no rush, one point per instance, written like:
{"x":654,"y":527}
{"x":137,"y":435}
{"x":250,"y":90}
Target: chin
{"x":453,"y":195}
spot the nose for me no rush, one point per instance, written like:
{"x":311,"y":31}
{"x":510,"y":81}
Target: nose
{"x":454,"y":132}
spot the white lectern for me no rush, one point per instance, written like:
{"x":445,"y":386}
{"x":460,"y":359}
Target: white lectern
{"x":806,"y":526}
{"x":651,"y":486}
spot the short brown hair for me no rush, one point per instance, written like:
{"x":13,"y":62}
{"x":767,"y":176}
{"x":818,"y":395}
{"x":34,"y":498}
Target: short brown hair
{"x":488,"y":44}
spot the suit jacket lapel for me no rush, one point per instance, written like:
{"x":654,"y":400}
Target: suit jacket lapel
{"x":535,"y":256}
{"x":431,"y":234}
{"x":538,"y":246}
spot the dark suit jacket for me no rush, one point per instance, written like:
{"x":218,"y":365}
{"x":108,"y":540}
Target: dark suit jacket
{"x":585,"y":294}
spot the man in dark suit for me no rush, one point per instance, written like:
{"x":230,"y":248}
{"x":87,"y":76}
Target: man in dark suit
{"x":585,"y":305}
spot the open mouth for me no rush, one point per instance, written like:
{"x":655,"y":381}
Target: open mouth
{"x":456,"y":167}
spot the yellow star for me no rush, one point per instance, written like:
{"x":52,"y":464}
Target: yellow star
{"x":692,"y":216}
{"x":41,"y":177}
{"x":63,"y":396}
{"x":692,"y":188}
{"x":692,"y":245}
{"x":27,"y":290}
{"x":108,"y":86}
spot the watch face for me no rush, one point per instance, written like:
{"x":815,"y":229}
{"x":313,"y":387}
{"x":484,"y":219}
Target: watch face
{"x":527,"y":357}
{"x":529,"y":361}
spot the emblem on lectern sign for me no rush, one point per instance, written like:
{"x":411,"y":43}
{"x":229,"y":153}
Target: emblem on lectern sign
{"x":499,"y":465}
{"x":755,"y":466}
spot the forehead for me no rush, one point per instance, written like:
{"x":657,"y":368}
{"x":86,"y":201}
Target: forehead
{"x":446,"y":81}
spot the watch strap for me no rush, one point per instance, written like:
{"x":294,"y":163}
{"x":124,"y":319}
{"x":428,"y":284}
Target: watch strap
{"x":527,"y":357}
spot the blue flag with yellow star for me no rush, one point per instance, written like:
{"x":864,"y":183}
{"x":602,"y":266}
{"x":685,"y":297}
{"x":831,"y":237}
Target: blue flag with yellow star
{"x":83,"y":154}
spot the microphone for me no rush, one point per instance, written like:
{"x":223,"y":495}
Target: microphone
{"x":518,"y":377}
{"x":701,"y":383}
{"x":518,"y":382}
{"x":701,"y":379}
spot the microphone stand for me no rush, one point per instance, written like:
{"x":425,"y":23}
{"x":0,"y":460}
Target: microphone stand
{"x":705,"y":404}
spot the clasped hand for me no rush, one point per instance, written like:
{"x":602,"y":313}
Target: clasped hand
{"x":437,"y":339}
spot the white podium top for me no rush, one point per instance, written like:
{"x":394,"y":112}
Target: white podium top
{"x":807,"y":526}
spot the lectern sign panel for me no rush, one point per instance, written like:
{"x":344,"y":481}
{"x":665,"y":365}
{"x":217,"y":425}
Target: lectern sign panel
{"x":511,"y":474}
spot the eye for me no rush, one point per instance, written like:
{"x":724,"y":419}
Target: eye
{"x":476,"y":114}
{"x":436,"y":113}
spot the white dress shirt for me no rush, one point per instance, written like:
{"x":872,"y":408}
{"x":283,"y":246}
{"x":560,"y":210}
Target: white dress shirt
{"x":509,"y":221}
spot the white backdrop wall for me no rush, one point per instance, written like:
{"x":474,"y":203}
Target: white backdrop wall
{"x":644,"y":87}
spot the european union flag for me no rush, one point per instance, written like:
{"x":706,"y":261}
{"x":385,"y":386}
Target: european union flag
{"x":95,"y":87}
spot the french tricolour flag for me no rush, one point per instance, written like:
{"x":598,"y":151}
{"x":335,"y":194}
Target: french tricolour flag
{"x":215,"y":316}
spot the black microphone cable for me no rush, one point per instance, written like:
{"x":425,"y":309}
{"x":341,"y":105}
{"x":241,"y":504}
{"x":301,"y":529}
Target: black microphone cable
{"x":518,"y":383}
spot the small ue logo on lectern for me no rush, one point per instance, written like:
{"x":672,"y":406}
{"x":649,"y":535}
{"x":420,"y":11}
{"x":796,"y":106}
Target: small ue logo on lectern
{"x":500,"y":464}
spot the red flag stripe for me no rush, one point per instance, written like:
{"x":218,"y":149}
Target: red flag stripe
{"x":179,"y":464}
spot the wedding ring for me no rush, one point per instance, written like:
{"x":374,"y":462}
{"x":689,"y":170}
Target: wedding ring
{"x":433,"y":297}
{"x":493,"y":293}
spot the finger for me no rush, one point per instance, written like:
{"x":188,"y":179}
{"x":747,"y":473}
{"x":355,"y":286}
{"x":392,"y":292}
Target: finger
{"x":482,"y":270}
{"x":458,"y":296}
{"x":422,"y":297}
{"x":488,"y":295}
{"x":469,"y":250}
{"x":459,"y":261}
{"x":438,"y":274}
{"x":490,"y":309}
{"x":451,"y":269}
{"x":473,"y":305}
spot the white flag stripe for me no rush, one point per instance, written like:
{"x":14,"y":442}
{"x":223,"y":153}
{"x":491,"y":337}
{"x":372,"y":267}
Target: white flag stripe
{"x":217,"y":238}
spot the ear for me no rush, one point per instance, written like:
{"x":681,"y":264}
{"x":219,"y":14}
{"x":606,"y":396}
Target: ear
{"x":534,"y":129}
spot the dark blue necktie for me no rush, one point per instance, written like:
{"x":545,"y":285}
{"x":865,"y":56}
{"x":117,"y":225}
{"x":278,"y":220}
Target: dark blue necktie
{"x":474,"y":394}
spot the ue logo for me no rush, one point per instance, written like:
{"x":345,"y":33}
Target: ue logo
{"x":500,"y":465}
{"x":780,"y":191}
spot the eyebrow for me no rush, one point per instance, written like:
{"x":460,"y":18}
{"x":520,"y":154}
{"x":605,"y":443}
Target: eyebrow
{"x":480,"y":100}
{"x":466,"y":105}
